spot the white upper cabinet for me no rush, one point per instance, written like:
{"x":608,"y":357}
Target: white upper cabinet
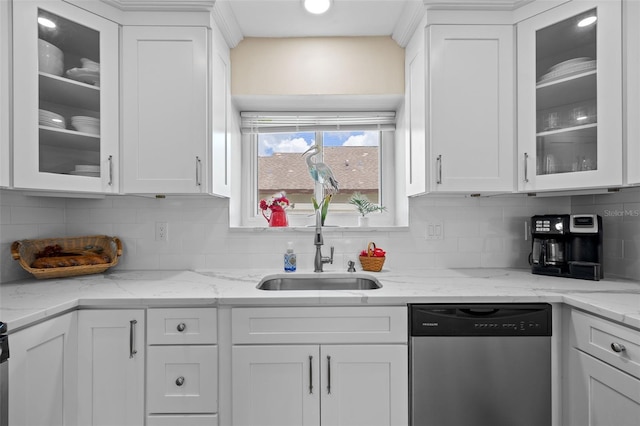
{"x":5,"y":91}
{"x":65,"y":68}
{"x":470,"y":109}
{"x":632,"y":78}
{"x":220,"y":161}
{"x":460,"y":109}
{"x":570,"y":97}
{"x":165,"y":109}
{"x":416,"y":115}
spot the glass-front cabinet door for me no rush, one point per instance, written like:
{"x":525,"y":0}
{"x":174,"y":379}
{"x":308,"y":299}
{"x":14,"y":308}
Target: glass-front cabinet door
{"x":570,"y":97}
{"x":65,"y":97}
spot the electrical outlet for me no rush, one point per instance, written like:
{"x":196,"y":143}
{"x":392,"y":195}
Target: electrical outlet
{"x":435,"y":230}
{"x":162,"y":231}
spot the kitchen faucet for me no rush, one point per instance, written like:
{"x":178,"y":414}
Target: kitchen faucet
{"x":318,"y":241}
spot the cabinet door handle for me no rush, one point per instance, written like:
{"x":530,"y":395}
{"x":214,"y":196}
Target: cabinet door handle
{"x":526,"y":167}
{"x":198,"y":171}
{"x":618,"y":347}
{"x":180,"y":381}
{"x":181,"y":327}
{"x":132,"y":338}
{"x":310,"y":374}
{"x":110,"y":159}
{"x":439,"y":165}
{"x":328,"y":374}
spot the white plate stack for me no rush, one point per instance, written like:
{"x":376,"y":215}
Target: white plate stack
{"x":51,"y":119}
{"x":86,"y":124}
{"x":89,"y":170}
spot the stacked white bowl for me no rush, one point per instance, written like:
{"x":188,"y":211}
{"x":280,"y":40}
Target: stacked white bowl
{"x":86,"y":124}
{"x":50,"y":58}
{"x":51,"y":119}
{"x":86,"y":170}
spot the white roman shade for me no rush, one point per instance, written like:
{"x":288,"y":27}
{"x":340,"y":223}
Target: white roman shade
{"x":282,"y":122}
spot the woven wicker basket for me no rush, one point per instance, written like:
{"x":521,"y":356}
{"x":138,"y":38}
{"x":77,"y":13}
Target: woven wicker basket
{"x":370,"y":262}
{"x":25,"y":252}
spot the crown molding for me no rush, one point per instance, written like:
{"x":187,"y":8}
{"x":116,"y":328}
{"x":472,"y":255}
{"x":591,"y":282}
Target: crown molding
{"x":410,"y":18}
{"x":227,"y":24}
{"x":162,"y":5}
{"x":476,"y":4}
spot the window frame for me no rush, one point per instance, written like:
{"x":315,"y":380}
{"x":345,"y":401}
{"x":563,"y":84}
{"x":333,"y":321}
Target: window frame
{"x":341,"y":219}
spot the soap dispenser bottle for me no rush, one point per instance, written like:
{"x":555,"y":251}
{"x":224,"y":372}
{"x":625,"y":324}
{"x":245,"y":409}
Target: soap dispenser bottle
{"x":289,"y":259}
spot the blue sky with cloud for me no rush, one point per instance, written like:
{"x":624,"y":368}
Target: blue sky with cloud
{"x":270,"y":143}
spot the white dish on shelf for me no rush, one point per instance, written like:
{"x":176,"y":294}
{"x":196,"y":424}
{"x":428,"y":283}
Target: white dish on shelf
{"x":567,"y":71}
{"x":88,"y":174}
{"x":569,"y":63}
{"x":51,"y":119}
{"x":91,"y":168}
{"x":84,"y":75}
{"x":50,"y":58}
{"x":90,"y":65}
{"x":86,"y":128}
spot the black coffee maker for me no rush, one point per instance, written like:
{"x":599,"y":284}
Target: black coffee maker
{"x":567,"y":246}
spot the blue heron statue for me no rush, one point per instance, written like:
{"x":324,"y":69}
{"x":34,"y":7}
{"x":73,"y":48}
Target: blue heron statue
{"x":319,"y":171}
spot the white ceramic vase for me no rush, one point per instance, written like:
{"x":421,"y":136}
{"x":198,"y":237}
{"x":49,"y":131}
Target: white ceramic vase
{"x":363,"y":221}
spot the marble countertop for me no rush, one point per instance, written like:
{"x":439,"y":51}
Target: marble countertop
{"x":28,"y":301}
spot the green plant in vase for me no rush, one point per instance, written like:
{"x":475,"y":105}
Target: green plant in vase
{"x":323,"y":207}
{"x":364,"y":207}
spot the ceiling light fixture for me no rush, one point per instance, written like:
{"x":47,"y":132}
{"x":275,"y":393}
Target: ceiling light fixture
{"x":46,"y":22}
{"x":317,"y":7}
{"x":587,"y":21}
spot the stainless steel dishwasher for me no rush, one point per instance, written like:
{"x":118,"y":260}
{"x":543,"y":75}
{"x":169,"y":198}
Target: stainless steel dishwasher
{"x":480,"y":364}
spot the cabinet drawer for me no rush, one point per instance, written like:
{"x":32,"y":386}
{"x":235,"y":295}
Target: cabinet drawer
{"x":320,"y":325}
{"x":183,"y":420}
{"x":598,"y":337}
{"x":182,"y":326}
{"x":182,"y":379}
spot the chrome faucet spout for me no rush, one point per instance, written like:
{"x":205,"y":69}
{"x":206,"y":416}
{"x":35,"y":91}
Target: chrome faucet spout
{"x":318,"y":241}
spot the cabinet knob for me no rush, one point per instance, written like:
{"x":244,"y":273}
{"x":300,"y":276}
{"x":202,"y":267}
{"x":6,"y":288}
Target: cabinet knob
{"x":617,"y":347}
{"x":181,"y":327}
{"x":180,"y":381}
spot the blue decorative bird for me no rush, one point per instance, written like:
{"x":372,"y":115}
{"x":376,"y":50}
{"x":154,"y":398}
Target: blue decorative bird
{"x":319,"y":171}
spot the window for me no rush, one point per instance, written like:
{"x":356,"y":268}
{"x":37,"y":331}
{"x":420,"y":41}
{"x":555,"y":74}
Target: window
{"x":360,"y":155}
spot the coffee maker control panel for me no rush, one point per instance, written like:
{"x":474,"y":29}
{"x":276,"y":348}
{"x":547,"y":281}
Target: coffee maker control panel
{"x":549,"y":225}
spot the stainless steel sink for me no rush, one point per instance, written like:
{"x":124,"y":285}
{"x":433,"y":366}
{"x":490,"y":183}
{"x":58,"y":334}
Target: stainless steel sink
{"x":319,"y":281}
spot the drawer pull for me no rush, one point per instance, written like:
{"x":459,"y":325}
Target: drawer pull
{"x":180,"y":381}
{"x":181,"y":327}
{"x":618,"y":348}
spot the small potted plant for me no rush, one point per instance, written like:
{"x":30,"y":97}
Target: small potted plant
{"x":364,"y":207}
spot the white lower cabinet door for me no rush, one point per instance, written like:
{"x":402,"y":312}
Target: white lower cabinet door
{"x":601,"y":395}
{"x":42,"y":373}
{"x":365,"y":385}
{"x":111,"y":367}
{"x":276,"y":385}
{"x":182,"y":379}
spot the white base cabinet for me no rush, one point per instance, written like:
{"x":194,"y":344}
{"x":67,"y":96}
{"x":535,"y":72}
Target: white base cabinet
{"x":603,"y":373}
{"x":314,"y":385}
{"x":42,"y":376}
{"x":182,"y":366}
{"x":293,"y":366}
{"x":111,"y":359}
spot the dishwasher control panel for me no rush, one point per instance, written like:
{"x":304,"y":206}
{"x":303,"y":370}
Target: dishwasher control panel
{"x":480,"y":319}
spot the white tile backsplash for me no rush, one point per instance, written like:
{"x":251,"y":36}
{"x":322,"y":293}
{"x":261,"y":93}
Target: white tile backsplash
{"x":478,"y":232}
{"x":620,"y":213}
